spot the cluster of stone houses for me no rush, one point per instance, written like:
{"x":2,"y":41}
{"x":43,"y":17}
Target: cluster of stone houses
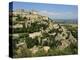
{"x":31,"y":16}
{"x":28,"y":14}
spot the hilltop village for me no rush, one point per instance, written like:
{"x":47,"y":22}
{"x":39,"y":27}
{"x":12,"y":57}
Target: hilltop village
{"x":38,"y":35}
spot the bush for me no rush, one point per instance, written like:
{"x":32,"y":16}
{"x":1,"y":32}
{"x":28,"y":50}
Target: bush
{"x":72,"y":49}
{"x":40,"y":53}
{"x":53,"y":52}
{"x":19,"y":18}
{"x":23,"y":53}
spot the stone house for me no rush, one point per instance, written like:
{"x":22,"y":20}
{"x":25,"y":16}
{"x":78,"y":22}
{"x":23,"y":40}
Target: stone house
{"x":45,"y":18}
{"x":33,"y":35}
{"x":18,"y":26}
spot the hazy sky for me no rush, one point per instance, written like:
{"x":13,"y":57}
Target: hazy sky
{"x":52,"y":10}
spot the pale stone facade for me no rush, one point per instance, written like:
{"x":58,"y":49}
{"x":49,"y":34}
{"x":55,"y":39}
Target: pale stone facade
{"x":45,"y":18}
{"x":18,"y":26}
{"x":33,"y":35}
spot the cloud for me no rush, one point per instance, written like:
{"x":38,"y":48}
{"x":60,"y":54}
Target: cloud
{"x":57,"y":14}
{"x":49,"y":13}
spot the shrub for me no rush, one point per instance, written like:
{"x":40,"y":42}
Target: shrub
{"x":19,"y":18}
{"x":23,"y":53}
{"x":40,"y":53}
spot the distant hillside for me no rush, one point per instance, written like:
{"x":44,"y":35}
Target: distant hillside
{"x":67,"y":21}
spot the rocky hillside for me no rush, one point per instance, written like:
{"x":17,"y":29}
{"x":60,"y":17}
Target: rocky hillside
{"x":36,"y":33}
